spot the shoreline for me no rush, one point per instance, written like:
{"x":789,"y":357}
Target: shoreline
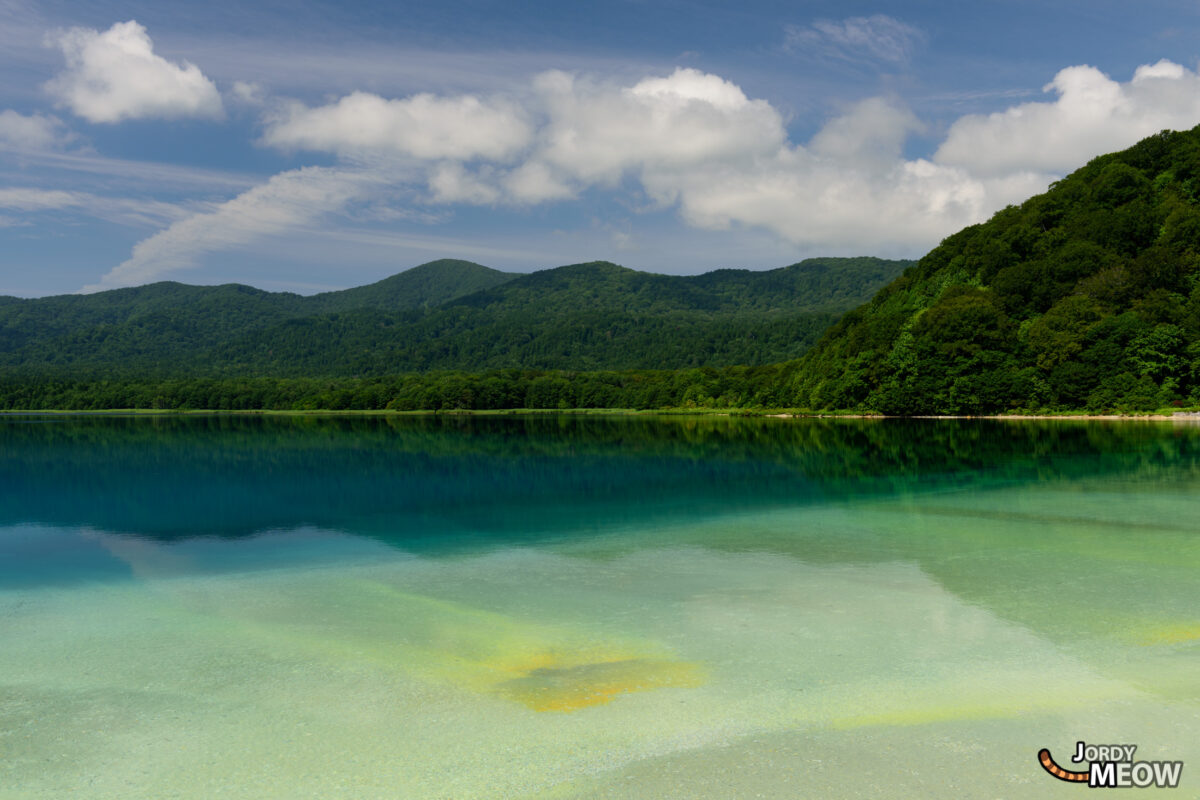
{"x":1182,"y":416}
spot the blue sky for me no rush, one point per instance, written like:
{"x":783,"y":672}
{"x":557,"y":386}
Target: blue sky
{"x":304,"y":146}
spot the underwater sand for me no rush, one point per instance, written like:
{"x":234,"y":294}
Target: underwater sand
{"x":781,"y":636}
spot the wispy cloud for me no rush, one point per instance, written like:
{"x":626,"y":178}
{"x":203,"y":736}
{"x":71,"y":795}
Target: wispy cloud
{"x":876,"y":38}
{"x":32,"y":131}
{"x":982,"y":94}
{"x":290,"y":200}
{"x":28,"y":199}
{"x":321,"y":67}
{"x":120,"y":172}
{"x":133,"y":212}
{"x":21,"y":29}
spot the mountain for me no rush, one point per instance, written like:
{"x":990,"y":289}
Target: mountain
{"x":166,"y":326}
{"x":425,"y":286}
{"x":1084,"y":297}
{"x":441,"y":315}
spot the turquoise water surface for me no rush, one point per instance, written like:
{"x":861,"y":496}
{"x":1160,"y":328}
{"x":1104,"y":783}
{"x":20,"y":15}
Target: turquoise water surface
{"x":488,"y":607}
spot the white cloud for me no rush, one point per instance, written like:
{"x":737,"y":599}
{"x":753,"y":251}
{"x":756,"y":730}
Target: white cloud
{"x":120,"y":210}
{"x":116,"y":75}
{"x":839,"y":206}
{"x":688,"y":140}
{"x":143,"y":175}
{"x":248,"y":93}
{"x":696,"y":140}
{"x":849,"y":187}
{"x":1092,"y":114}
{"x":597,"y":133}
{"x":33,"y":132}
{"x":422,"y":126}
{"x":24,"y":199}
{"x":288,"y":201}
{"x":878,"y":37}
{"x":451,"y":183}
{"x":871,"y":132}
{"x":534,"y":182}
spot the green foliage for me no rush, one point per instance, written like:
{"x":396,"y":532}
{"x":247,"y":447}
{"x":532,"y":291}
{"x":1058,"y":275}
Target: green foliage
{"x":1084,"y":297}
{"x":440,"y":316}
{"x":730,"y":387}
{"x":426,"y":286}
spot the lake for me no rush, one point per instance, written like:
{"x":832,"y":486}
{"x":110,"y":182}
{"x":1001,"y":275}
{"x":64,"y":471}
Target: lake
{"x":489,"y":607}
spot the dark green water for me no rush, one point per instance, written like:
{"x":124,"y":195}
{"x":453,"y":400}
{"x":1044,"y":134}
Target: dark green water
{"x":569,"y":606}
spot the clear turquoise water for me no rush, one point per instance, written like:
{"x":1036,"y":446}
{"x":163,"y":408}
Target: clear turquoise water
{"x":590,"y":607}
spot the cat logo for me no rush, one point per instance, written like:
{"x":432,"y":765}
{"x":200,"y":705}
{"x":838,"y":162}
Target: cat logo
{"x":1111,"y":766}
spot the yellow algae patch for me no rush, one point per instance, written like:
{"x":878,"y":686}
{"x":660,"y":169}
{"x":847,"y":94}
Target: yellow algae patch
{"x":545,"y":666}
{"x":570,"y":688}
{"x":1169,"y":634}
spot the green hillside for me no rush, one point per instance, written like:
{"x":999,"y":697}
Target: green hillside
{"x":1085,"y":297}
{"x":167,"y":326}
{"x":426,"y":286}
{"x":441,"y":315}
{"x":579,"y":317}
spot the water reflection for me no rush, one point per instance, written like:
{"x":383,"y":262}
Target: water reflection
{"x":443,"y":479}
{"x":491,"y":607}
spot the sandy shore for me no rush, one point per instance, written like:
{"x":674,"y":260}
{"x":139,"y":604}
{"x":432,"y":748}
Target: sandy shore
{"x":1183,"y":416}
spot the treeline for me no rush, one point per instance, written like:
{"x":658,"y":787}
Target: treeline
{"x":704,"y":387}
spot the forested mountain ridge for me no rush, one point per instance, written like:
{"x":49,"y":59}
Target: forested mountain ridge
{"x":424,"y":286}
{"x":577,"y":317}
{"x":441,"y":315}
{"x":817,"y":284}
{"x":166,"y":326}
{"x":1084,"y":297}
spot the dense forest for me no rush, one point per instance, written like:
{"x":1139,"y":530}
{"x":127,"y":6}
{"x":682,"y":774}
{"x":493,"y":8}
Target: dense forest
{"x":702,"y":387}
{"x":1084,"y":297}
{"x":446,"y":315}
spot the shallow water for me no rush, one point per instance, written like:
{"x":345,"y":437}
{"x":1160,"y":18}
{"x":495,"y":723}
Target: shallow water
{"x":604,"y":607}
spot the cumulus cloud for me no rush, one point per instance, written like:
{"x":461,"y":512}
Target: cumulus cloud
{"x":598,"y":133}
{"x":289,"y":200}
{"x":840,"y":206}
{"x":877,"y":38}
{"x":689,"y":140}
{"x":422,"y":126}
{"x":849,"y":186}
{"x":871,"y":132}
{"x":1092,"y":114}
{"x":697,"y":141}
{"x":32,"y":132}
{"x":535,"y":182}
{"x":115,"y":75}
{"x":451,"y":183}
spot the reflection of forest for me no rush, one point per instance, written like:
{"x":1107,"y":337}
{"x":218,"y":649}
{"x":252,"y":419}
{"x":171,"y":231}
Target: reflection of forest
{"x":403,"y":479}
